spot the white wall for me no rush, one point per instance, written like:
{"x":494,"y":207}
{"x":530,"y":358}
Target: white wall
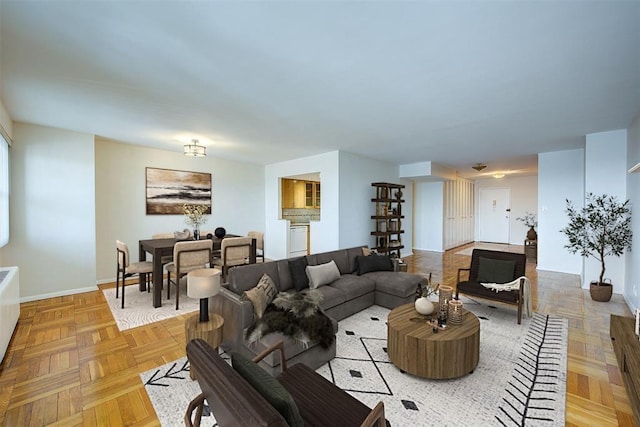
{"x":52,"y":211}
{"x":560,"y":177}
{"x":606,"y":173}
{"x":356,"y":174}
{"x":324,"y":234}
{"x":524,"y":198}
{"x":345,"y":179}
{"x":237,"y":198}
{"x":632,"y":279}
{"x":429,"y":216}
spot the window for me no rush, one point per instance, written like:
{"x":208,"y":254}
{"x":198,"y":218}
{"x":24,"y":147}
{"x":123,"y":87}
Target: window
{"x":4,"y":192}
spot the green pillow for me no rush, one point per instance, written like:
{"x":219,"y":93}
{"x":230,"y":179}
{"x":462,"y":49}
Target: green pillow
{"x":269,"y":387}
{"x":495,"y":270}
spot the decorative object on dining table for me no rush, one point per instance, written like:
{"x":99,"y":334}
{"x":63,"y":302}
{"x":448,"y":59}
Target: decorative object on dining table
{"x":220,"y":232}
{"x":195,"y":216}
{"x":202,"y":284}
{"x":530,"y":220}
{"x":182,"y":235}
{"x":455,"y":311}
{"x":168,"y":190}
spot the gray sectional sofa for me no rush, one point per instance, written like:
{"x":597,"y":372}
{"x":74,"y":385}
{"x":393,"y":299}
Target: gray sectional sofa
{"x":347,"y":295}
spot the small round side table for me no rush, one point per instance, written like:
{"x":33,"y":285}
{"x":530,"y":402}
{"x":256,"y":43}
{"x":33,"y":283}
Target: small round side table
{"x":210,"y":331}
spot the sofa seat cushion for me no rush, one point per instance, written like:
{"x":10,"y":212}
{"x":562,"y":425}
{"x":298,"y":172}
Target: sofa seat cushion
{"x":330,"y":296}
{"x":476,"y":289}
{"x":354,"y":286}
{"x":396,"y":283}
{"x":313,"y":394}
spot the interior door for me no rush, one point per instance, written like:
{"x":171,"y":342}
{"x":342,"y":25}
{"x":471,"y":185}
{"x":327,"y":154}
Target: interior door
{"x":494,"y":214}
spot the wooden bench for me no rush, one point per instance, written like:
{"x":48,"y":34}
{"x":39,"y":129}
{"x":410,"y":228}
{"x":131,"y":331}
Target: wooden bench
{"x":473,"y":287}
{"x":234,"y":402}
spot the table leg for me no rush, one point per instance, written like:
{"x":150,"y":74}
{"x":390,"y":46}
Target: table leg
{"x":157,"y":279}
{"x":142,"y":278}
{"x":252,"y":253}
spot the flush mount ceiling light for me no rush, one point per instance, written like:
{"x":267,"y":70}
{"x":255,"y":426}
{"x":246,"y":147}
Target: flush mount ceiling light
{"x":498,"y":175}
{"x":194,"y":149}
{"x":479,"y":166}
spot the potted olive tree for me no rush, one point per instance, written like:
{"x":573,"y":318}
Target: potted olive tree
{"x":600,"y":229}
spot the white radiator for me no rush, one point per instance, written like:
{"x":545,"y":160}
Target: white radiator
{"x":9,"y":305}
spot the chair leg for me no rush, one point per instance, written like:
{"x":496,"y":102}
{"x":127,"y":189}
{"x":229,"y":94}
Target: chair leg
{"x":117,"y":280}
{"x":123,"y":280}
{"x":168,"y":285}
{"x":177,"y":286}
{"x":519,"y":311}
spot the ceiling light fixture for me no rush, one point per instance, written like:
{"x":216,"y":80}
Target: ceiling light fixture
{"x":498,"y":175}
{"x":194,"y":149}
{"x":479,"y":166}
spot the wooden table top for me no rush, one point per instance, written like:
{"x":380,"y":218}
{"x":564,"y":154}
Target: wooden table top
{"x":414,"y":347}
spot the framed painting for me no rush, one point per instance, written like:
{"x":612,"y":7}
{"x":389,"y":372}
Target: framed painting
{"x":168,"y":190}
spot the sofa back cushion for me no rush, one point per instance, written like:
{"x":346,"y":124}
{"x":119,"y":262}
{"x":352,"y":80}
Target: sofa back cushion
{"x":269,"y":388}
{"x":245,"y":277}
{"x":340,"y":257}
{"x":353,"y":253}
{"x":284,"y":275}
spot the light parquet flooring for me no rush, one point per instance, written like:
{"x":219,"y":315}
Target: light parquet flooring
{"x":68,"y":364}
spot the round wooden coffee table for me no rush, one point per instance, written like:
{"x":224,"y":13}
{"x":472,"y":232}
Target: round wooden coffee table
{"x":413,"y":346}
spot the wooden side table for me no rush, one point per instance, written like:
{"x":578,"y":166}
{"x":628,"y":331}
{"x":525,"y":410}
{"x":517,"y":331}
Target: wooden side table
{"x":531,"y":249}
{"x":210,"y":331}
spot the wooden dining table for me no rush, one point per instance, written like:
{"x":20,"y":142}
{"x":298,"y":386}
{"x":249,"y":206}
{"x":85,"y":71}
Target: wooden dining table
{"x":159,"y":248}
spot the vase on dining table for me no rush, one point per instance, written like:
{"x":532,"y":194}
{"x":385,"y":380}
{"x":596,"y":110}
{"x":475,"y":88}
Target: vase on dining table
{"x":196,"y":234}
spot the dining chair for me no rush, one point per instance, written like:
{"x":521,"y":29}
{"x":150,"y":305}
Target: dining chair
{"x":234,"y":251}
{"x":187,"y":256}
{"x":128,"y":269}
{"x":259,"y":236}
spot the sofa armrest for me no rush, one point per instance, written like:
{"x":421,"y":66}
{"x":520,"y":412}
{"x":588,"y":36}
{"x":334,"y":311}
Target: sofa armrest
{"x":460,"y":270}
{"x":237,"y":314}
{"x":375,"y":417}
{"x":273,"y":347}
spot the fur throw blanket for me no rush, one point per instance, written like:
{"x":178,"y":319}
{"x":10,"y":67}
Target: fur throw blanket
{"x":296,"y":315}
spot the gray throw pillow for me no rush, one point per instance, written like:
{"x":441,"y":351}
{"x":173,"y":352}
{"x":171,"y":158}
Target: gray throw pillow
{"x":269,"y":387}
{"x":495,"y":270}
{"x":323,"y":274}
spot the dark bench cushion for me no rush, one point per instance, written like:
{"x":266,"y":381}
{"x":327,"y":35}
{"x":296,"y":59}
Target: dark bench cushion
{"x":313,"y":394}
{"x":269,"y":388}
{"x":231,"y":398}
{"x":495,"y":270}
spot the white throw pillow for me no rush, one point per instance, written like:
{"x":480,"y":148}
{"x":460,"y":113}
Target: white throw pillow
{"x":323,"y":274}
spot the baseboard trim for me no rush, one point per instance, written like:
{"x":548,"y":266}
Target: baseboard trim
{"x":59,"y":294}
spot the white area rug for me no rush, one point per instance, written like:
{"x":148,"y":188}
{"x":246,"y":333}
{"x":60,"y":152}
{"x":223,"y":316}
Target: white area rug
{"x":513,"y":372}
{"x":502,"y":247}
{"x":138,"y":306}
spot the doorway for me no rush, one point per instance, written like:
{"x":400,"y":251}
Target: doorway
{"x":494,"y":215}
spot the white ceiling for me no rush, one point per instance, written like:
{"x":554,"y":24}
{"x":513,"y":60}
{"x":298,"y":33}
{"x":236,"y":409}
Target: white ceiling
{"x":451,"y":82}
